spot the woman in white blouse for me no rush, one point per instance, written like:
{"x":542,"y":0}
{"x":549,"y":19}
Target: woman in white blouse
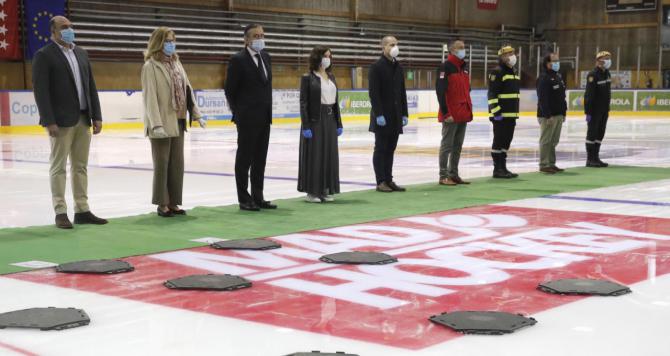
{"x":319,"y":173}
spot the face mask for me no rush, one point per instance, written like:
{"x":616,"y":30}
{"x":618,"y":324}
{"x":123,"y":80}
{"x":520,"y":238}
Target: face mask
{"x":325,"y":62}
{"x":607,"y":64}
{"x":460,"y":53}
{"x":512,"y":60}
{"x":169,"y":48}
{"x":395,"y":51}
{"x":67,"y":35}
{"x":258,"y":45}
{"x":555,"y":66}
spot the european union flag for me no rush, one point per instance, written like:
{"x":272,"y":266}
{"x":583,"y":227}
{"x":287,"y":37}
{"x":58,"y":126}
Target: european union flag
{"x":38,"y":13}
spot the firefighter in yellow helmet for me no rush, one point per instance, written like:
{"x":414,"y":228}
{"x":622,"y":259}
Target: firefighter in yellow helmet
{"x":504,"y":84}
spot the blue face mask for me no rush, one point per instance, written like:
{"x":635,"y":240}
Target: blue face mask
{"x":460,"y":53}
{"x":169,"y":48}
{"x":67,"y":35}
{"x":258,"y":45}
{"x":555,"y":66}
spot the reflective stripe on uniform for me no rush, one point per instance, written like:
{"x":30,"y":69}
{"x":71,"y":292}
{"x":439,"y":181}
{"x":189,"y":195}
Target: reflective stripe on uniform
{"x":589,"y":142}
{"x":493,"y":101}
{"x":496,"y":151}
{"x":510,"y":114}
{"x":509,"y":96}
{"x":496,"y":109}
{"x":510,"y":77}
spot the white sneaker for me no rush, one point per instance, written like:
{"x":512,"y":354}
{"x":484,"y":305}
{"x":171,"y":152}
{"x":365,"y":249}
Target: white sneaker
{"x":312,"y":198}
{"x":328,"y":198}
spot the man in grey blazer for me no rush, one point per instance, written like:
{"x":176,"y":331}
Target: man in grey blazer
{"x":68,"y":104}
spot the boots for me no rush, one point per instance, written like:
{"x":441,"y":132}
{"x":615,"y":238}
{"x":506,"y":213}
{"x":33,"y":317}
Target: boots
{"x":499,"y":170}
{"x":592,"y":159}
{"x":504,"y":163}
{"x":597,"y":156}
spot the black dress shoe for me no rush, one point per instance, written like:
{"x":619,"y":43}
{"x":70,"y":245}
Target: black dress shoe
{"x":88,"y":218}
{"x":164,"y":214}
{"x":249,"y":207}
{"x":396,"y":188}
{"x":266,"y":205}
{"x":178,"y":211}
{"x":62,"y":221}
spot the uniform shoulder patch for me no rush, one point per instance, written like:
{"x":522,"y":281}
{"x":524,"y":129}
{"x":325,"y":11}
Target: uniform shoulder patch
{"x":590,"y":78}
{"x":441,"y":75}
{"x":492,"y":77}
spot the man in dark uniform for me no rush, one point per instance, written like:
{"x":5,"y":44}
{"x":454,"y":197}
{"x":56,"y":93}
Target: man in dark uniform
{"x":503,"y":97}
{"x":388,"y":116}
{"x":597,"y":107}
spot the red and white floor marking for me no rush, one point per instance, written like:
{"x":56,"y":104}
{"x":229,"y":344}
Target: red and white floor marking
{"x":484,"y":258}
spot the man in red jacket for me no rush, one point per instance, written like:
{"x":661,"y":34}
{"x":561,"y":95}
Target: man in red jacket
{"x":453,"y":94}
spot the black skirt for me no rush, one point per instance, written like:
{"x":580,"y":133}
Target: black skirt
{"x":319,"y":164}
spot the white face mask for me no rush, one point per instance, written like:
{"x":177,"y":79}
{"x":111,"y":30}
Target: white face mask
{"x":325,"y":62}
{"x":258,"y":45}
{"x":512,"y":60}
{"x":607,"y":64}
{"x":395,"y":51}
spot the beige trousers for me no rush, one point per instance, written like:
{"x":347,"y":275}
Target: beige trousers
{"x":73,"y":142}
{"x":168,"y":157}
{"x":550,"y":134}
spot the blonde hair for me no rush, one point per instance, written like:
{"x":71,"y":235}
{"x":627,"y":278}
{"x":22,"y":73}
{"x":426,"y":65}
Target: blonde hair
{"x":156,"y":42}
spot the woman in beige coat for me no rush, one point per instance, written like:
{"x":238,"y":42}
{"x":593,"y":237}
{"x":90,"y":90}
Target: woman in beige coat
{"x":167,"y":96}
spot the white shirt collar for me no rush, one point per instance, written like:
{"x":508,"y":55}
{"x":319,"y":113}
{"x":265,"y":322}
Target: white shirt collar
{"x":63,"y":48}
{"x":251,"y":51}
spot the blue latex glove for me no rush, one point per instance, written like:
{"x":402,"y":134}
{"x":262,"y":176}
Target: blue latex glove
{"x":588,"y":118}
{"x":405,"y":121}
{"x":307,"y":133}
{"x":498,"y":118}
{"x":381,"y":120}
{"x":339,"y":131}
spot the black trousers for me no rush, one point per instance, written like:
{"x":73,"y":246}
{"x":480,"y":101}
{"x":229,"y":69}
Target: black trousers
{"x":596,"y":128}
{"x":503,"y":133}
{"x":382,"y":159}
{"x":252,"y":152}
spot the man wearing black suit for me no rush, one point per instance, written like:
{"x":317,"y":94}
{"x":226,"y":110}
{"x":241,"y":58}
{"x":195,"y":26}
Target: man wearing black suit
{"x":386,"y":83}
{"x":248,"y":90}
{"x":67,"y":100}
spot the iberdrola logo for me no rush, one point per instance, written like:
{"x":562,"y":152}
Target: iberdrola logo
{"x":648,"y":101}
{"x":578,"y":101}
{"x":345,"y":103}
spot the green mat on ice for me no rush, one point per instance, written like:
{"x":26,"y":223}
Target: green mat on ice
{"x":144,"y":234}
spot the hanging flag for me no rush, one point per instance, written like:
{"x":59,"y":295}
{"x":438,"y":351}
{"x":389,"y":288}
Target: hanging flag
{"x":10,"y":45}
{"x":38,"y":13}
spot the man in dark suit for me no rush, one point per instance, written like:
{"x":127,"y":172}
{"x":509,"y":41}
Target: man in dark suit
{"x":67,"y":100}
{"x":389,"y":112}
{"x":248,"y":90}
